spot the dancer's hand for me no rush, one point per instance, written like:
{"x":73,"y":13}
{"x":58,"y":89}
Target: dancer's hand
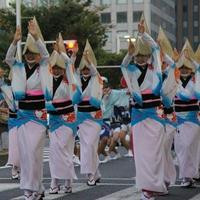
{"x":131,"y":47}
{"x":141,"y":28}
{"x":18,"y":35}
{"x":32,"y":29}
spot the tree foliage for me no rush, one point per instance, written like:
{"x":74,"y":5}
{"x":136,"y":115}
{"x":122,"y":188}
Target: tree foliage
{"x":73,"y":18}
{"x":112,"y":74}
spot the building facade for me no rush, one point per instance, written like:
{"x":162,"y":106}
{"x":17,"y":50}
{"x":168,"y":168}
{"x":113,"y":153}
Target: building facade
{"x":40,"y":2}
{"x":188,"y":22}
{"x":122,"y":16}
{"x":3,"y":3}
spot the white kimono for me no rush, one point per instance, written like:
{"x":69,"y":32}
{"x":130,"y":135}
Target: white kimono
{"x":13,"y":149}
{"x":90,"y":120}
{"x":62,"y":121}
{"x":169,"y":89}
{"x":147,"y":123}
{"x":27,"y":89}
{"x":188,"y":137}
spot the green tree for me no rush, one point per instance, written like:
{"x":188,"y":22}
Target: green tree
{"x":113,"y":74}
{"x":75,"y":20}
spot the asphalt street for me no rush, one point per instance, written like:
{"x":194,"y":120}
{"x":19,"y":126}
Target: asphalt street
{"x":117,"y":183}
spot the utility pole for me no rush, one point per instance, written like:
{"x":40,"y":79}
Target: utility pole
{"x":18,"y":23}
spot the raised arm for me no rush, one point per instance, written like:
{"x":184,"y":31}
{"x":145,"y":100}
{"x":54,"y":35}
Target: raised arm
{"x":40,"y":45}
{"x":63,"y":53}
{"x":90,"y":65}
{"x":69,"y":62}
{"x":169,"y":61}
{"x":70,"y":71}
{"x":156,"y":61}
{"x":127,"y":59}
{"x":75,"y":51}
{"x":145,"y":36}
{"x":1,"y":77}
{"x":43,"y":50}
{"x":169,"y":88}
{"x":10,"y":56}
{"x":66,"y":58}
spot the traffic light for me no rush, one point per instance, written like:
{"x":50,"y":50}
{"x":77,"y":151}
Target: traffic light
{"x":69,"y":45}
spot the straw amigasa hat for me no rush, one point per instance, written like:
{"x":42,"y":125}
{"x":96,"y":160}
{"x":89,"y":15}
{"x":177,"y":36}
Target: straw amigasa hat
{"x":164,"y":43}
{"x":142,"y":19}
{"x":56,"y":58}
{"x":83,"y":63}
{"x":30,"y":41}
{"x":183,"y":60}
{"x":197,"y":54}
{"x":141,"y":47}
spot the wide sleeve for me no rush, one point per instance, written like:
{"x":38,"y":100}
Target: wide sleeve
{"x":129,"y":72}
{"x":197,"y":80}
{"x":43,"y":51}
{"x":71,"y":77}
{"x":10,"y":55}
{"x":170,"y":85}
{"x":8,"y":96}
{"x":45,"y":73}
{"x":96,"y":91}
{"x":18,"y":73}
{"x":127,"y":59}
{"x":155,"y":61}
{"x":93,"y":69}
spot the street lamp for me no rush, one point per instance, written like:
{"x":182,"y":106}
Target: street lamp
{"x":126,"y":37}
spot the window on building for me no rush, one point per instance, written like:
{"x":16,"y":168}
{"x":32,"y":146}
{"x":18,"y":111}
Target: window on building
{"x":138,"y":1}
{"x":164,"y":25}
{"x":184,"y":8}
{"x":170,"y":27}
{"x":156,"y":3}
{"x":155,"y":18}
{"x":122,"y":33}
{"x":121,"y":1}
{"x":185,"y":32}
{"x":196,"y":38}
{"x":195,"y":16}
{"x":105,"y":18}
{"x":121,"y":17}
{"x":136,"y":16}
{"x":196,"y":8}
{"x":185,"y":16}
{"x":105,"y":2}
{"x":195,"y":30}
{"x":185,"y":24}
{"x":196,"y":24}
